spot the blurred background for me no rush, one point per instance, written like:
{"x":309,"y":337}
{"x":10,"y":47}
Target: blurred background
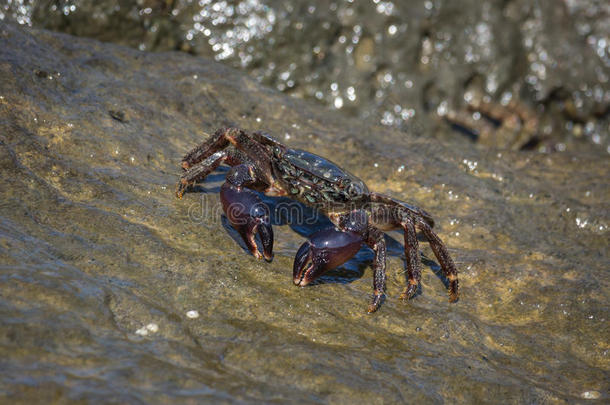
{"x":508,"y":74}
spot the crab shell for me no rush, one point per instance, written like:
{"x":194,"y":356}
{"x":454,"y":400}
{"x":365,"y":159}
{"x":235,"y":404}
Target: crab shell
{"x":317,"y":181}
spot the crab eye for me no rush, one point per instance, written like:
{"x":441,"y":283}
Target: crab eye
{"x":277,"y":152}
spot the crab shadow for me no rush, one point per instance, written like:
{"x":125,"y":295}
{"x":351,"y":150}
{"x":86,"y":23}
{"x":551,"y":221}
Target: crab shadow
{"x":306,"y":221}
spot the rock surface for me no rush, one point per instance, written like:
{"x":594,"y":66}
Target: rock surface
{"x":102,"y":268}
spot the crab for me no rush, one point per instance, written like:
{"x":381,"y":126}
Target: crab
{"x":260,"y":163}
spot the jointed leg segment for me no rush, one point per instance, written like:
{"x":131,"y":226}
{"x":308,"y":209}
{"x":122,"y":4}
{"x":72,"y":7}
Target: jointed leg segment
{"x":376,"y":241}
{"x":215,"y":143}
{"x":412,"y":257}
{"x":199,"y":171}
{"x":442,"y":255}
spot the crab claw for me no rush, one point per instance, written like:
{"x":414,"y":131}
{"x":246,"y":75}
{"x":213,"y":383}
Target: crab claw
{"x":249,"y":216}
{"x":324,"y":251}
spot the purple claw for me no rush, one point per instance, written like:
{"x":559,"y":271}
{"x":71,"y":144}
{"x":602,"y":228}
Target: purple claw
{"x":248,"y":215}
{"x":324,"y":251}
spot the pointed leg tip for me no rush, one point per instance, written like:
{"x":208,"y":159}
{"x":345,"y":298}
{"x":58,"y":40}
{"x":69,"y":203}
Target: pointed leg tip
{"x":409,"y":292}
{"x":375,"y":303}
{"x":454,"y":294}
{"x":181,"y":188}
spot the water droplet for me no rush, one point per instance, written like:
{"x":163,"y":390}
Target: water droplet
{"x":338,"y":102}
{"x":152,"y":327}
{"x":590,"y":395}
{"x":142,"y":332}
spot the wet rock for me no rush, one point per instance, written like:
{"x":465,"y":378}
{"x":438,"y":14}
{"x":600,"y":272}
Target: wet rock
{"x":415,"y":65}
{"x":101,"y":265}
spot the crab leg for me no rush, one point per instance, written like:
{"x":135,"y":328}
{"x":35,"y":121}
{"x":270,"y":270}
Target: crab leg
{"x":376,"y":241}
{"x":199,"y":171}
{"x":215,"y":143}
{"x":413,"y":262}
{"x":246,"y":211}
{"x":441,"y":253}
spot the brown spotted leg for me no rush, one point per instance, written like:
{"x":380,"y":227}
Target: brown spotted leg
{"x":412,"y":256}
{"x":243,"y":148}
{"x":199,"y":171}
{"x":265,"y":139}
{"x":376,"y":241}
{"x":215,"y":143}
{"x":441,"y":253}
{"x":205,"y":158}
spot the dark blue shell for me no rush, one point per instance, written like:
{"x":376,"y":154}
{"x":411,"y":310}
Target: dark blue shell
{"x":321,"y":167}
{"x":315,"y":180}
